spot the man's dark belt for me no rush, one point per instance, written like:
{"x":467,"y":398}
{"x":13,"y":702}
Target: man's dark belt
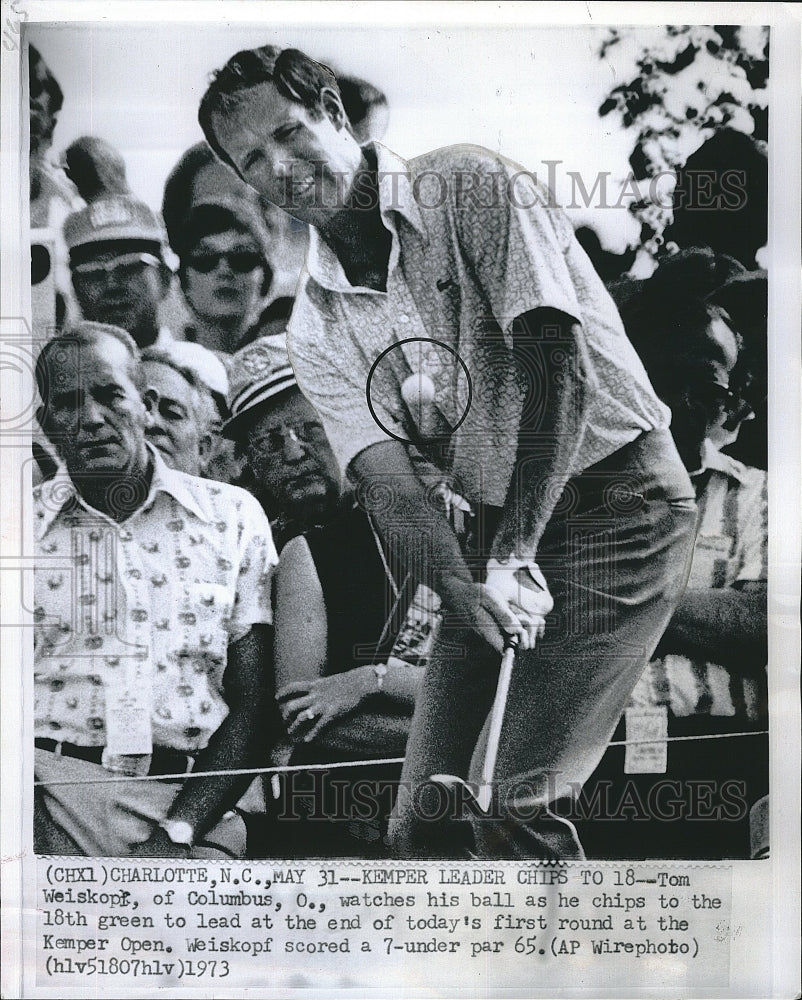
{"x":163,"y":759}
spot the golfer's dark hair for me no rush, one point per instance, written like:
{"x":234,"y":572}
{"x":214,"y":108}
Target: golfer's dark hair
{"x":294,"y":74}
{"x":84,"y":334}
{"x":359,"y":97}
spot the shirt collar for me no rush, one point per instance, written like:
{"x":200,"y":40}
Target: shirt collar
{"x":177,"y":484}
{"x":716,"y":461}
{"x":396,"y":197}
{"x":59,"y":492}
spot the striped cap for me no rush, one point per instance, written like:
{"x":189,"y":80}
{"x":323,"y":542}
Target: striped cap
{"x":257,"y":373}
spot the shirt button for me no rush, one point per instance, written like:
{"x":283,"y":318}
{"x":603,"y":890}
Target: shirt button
{"x":403,"y":318}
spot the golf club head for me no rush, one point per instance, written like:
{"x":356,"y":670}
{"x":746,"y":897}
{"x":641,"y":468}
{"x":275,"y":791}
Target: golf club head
{"x":481,"y":794}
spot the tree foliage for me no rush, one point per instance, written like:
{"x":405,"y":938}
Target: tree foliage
{"x":689,"y":82}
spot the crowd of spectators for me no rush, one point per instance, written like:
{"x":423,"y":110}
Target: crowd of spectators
{"x":170,"y":414}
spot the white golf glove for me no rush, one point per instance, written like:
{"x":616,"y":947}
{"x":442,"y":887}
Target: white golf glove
{"x":520,"y":585}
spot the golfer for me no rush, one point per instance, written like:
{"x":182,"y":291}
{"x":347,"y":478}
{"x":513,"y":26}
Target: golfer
{"x":456,"y":271}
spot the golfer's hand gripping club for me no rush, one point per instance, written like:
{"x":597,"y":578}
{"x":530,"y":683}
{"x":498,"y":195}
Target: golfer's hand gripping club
{"x":519,"y":587}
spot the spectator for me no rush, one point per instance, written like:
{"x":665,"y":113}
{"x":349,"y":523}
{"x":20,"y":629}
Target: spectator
{"x":351,"y":639}
{"x":117,"y":265}
{"x":720,"y":622}
{"x":291,"y":471}
{"x":199,"y":176}
{"x":225,"y":273}
{"x":45,"y":101}
{"x":182,"y":567}
{"x":652,"y":314}
{"x":52,"y":198}
{"x":210,"y":371}
{"x":181,"y":412}
{"x":708,"y":673}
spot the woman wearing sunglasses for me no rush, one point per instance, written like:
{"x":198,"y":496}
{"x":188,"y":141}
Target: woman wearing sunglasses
{"x":224,"y":273}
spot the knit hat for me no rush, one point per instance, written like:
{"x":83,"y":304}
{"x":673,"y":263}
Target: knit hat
{"x":116,"y":217}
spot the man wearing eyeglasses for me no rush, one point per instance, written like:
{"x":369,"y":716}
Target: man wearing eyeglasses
{"x":290,"y":465}
{"x":353,"y":639}
{"x":716,"y":641}
{"x":117,"y":266}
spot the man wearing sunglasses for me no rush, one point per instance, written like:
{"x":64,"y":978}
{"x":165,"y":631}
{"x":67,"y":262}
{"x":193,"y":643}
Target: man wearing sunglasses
{"x":117,"y":266}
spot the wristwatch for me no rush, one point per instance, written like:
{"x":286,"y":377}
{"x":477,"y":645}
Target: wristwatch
{"x":178,"y":831}
{"x":379,"y":670}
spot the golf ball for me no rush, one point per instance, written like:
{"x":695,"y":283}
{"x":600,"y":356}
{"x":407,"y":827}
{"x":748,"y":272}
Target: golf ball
{"x":418,"y":389}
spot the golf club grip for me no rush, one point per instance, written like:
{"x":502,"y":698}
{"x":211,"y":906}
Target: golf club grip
{"x":497,"y":712}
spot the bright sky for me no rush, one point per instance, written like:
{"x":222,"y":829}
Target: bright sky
{"x":531,"y":93}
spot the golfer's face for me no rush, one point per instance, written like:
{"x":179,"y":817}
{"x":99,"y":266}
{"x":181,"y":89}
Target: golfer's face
{"x":302,"y":160}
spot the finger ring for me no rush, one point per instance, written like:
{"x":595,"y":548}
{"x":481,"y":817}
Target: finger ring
{"x":309,"y":715}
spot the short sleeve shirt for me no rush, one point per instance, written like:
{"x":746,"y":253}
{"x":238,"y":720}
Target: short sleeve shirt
{"x":731,"y":549}
{"x":475,"y":245}
{"x":166,"y":591}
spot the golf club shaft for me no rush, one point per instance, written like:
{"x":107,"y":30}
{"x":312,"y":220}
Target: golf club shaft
{"x":497,"y":712}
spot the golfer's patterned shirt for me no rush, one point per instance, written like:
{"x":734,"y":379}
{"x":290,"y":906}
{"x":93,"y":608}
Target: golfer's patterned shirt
{"x":163,"y":593}
{"x":475,"y":245}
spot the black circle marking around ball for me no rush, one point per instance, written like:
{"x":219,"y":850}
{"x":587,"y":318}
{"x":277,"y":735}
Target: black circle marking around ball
{"x":396,"y":346}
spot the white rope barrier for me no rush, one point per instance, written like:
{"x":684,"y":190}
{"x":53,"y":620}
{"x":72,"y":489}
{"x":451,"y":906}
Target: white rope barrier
{"x":334,"y":765}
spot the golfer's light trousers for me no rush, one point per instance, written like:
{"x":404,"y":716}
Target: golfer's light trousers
{"x":616,"y":555}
